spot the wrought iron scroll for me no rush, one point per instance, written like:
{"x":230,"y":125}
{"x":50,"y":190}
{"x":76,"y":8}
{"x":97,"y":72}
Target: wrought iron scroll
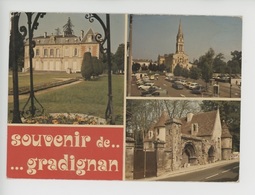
{"x":32,"y":110}
{"x":109,"y":116}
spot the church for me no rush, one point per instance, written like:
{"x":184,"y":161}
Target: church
{"x":200,"y":138}
{"x":61,"y":52}
{"x":179,"y":57}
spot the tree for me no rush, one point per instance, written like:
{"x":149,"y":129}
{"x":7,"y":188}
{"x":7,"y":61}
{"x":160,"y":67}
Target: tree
{"x":19,"y":51}
{"x":118,"y":57}
{"x":194,"y":73}
{"x":87,"y":68}
{"x":136,"y":67}
{"x":206,"y":65}
{"x":235,"y":64}
{"x":219,"y":65}
{"x":185,"y":72}
{"x":68,"y":27}
{"x":161,"y":67}
{"x":178,"y":70}
{"x":97,"y":66}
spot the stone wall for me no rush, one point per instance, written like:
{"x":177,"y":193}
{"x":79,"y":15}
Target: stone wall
{"x":129,"y":159}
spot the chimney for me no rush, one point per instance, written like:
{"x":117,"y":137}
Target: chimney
{"x":82,"y":34}
{"x":45,"y":34}
{"x":189,"y":116}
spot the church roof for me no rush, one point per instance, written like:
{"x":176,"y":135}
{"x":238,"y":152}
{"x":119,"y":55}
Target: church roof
{"x":205,"y":121}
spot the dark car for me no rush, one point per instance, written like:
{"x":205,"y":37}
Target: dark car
{"x":150,"y":90}
{"x":198,"y":90}
{"x":177,"y":85}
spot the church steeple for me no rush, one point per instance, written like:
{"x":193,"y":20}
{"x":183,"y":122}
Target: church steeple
{"x":180,"y":40}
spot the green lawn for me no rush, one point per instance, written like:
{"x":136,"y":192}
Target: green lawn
{"x":41,"y":78}
{"x":87,"y":97}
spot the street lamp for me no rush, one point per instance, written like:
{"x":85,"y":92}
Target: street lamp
{"x":109,"y":116}
{"x":32,"y":25}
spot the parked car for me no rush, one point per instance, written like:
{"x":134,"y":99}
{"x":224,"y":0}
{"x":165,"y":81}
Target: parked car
{"x":177,"y":85}
{"x":183,"y":82}
{"x":193,"y":85}
{"x":150,"y":90}
{"x":198,"y":90}
{"x":158,"y":93}
{"x":187,"y":84}
{"x":145,"y":86}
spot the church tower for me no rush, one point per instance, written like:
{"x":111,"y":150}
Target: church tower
{"x":180,"y":40}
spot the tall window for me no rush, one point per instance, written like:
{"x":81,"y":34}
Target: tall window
{"x":37,"y":52}
{"x":75,"y":52}
{"x":45,"y":52}
{"x":51,"y":52}
{"x":57,"y":52}
{"x":66,"y":51}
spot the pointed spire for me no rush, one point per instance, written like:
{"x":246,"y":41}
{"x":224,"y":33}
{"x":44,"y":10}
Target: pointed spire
{"x":180,"y":28}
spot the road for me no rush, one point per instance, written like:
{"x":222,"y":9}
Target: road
{"x":225,"y":90}
{"x":221,"y":173}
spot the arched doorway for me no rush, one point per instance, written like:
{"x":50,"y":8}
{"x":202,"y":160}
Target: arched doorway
{"x":211,"y":155}
{"x":189,"y":154}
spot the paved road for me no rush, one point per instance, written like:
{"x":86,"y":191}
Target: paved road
{"x":221,"y":173}
{"x":225,"y":91}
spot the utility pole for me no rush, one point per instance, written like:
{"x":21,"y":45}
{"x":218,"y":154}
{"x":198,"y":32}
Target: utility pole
{"x":129,"y":72}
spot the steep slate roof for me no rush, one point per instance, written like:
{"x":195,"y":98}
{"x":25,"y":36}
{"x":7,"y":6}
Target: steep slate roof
{"x":205,"y":123}
{"x":162,"y":120}
{"x":90,"y":31}
{"x":225,"y":131}
{"x":56,"y":39}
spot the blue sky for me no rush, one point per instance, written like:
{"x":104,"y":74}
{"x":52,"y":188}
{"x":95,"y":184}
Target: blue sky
{"x":51,"y":21}
{"x":156,"y":34}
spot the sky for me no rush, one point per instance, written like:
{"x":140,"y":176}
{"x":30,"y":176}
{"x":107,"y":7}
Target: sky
{"x":155,"y":35}
{"x":52,"y":21}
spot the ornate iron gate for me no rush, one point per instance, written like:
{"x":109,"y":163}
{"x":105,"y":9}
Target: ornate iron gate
{"x":145,"y":164}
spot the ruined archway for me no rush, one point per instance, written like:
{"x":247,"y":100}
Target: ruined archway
{"x":189,"y":155}
{"x":211,"y":154}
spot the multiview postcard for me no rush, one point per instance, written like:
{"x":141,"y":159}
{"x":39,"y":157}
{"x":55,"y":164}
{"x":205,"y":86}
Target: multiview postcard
{"x":124,"y":97}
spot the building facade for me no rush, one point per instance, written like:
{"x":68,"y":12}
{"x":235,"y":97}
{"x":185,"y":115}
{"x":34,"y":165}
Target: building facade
{"x":61,"y":52}
{"x":179,"y":57}
{"x":195,"y":139}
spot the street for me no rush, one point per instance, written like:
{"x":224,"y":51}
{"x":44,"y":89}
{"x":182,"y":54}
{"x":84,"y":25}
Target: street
{"x":221,"y":173}
{"x":225,"y":90}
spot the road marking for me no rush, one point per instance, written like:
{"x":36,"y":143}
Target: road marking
{"x":225,"y":171}
{"x":236,"y":167}
{"x":212,"y":176}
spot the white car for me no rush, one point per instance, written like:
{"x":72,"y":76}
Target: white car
{"x":193,"y":85}
{"x":145,"y":86}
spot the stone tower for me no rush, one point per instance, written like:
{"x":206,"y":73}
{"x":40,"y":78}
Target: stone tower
{"x":180,"y":40}
{"x":173,"y":142}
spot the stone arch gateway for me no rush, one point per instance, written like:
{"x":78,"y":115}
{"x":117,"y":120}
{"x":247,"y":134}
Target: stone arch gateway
{"x":189,"y":154}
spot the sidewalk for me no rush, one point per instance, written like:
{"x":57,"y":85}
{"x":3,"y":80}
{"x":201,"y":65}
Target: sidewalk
{"x":190,"y":169}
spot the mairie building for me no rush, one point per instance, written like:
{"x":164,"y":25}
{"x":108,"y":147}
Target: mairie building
{"x":61,"y":52}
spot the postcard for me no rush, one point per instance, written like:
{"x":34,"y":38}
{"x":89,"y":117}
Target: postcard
{"x":137,"y":97}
